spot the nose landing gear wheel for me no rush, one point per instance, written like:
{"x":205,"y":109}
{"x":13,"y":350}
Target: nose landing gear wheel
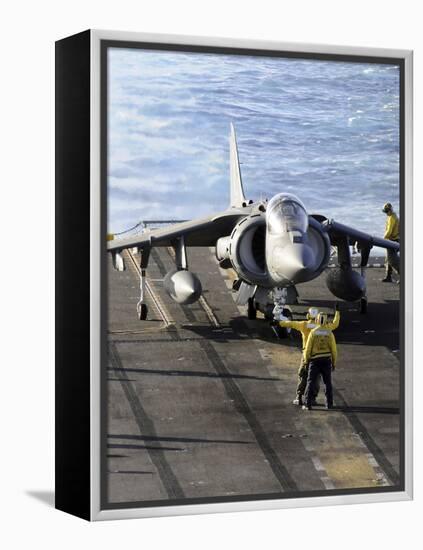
{"x":142,"y":312}
{"x":282,"y":332}
{"x":252,"y":311}
{"x":363,"y":305}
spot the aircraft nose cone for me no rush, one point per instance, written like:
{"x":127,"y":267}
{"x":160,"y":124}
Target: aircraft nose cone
{"x":294,"y":262}
{"x":300,"y":257}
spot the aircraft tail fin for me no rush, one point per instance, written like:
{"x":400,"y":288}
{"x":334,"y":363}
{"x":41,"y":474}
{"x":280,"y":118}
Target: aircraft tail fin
{"x":237,"y":191}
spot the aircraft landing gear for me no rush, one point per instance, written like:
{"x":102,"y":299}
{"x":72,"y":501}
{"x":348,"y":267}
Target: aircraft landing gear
{"x":282,"y":332}
{"x":142,"y":308}
{"x":252,"y":310}
{"x":280,"y":312}
{"x":365,"y":253}
{"x":142,"y":312}
{"x":363,"y":300}
{"x":279,"y":300}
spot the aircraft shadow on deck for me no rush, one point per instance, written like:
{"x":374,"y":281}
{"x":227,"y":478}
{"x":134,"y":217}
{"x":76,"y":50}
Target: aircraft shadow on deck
{"x":200,"y":374}
{"x":172,"y":439}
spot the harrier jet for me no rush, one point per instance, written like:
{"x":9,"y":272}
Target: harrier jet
{"x":272,"y":245}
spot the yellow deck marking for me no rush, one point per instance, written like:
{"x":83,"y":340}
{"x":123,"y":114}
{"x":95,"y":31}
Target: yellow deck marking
{"x":284,"y":358}
{"x":349,"y":470}
{"x":339,"y":455}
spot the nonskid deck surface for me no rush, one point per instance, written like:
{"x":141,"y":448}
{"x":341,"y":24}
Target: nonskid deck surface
{"x":200,"y":398}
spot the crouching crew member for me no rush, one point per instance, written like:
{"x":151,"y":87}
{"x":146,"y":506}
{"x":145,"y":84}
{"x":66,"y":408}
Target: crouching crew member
{"x":304,"y":328}
{"x":320,"y":354}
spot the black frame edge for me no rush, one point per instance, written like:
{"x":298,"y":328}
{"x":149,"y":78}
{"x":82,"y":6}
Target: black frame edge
{"x":72,"y":208}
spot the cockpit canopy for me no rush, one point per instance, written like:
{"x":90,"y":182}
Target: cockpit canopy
{"x":286,"y":213}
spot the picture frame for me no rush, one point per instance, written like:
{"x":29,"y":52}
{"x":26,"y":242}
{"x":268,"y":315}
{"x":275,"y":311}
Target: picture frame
{"x":84,"y":149}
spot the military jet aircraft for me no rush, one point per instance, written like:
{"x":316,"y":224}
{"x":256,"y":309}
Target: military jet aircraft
{"x":272,"y":245}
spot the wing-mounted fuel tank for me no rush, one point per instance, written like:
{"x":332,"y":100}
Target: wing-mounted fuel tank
{"x":183,"y":286}
{"x":343,"y":281}
{"x":346,"y":284}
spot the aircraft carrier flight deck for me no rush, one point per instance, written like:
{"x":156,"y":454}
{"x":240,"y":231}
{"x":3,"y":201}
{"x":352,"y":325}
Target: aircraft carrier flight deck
{"x":200,"y":397}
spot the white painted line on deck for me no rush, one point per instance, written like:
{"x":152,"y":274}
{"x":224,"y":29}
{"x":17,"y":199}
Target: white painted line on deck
{"x":328,"y":483}
{"x":318,"y":464}
{"x":264,"y":354}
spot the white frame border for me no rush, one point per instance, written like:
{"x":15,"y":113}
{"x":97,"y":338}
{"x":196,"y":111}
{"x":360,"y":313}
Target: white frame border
{"x":95,"y":270}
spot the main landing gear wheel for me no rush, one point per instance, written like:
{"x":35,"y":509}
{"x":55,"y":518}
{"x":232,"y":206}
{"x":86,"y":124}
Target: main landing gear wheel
{"x":363,"y":305}
{"x":252,"y":311}
{"x":142,"y":312}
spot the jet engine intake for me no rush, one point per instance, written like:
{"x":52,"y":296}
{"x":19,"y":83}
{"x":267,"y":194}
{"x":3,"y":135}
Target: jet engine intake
{"x":183,"y":286}
{"x":346,"y":284}
{"x":244,"y":248}
{"x":222,"y":252}
{"x":320,"y":243}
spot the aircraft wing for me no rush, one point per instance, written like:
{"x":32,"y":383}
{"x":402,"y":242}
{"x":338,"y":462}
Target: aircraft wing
{"x":201,"y":232}
{"x":337,"y":230}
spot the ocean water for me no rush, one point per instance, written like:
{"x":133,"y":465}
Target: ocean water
{"x":326,"y":131}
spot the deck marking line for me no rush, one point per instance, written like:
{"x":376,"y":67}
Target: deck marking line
{"x":368,"y":440}
{"x":145,"y":425}
{"x":237,"y":398}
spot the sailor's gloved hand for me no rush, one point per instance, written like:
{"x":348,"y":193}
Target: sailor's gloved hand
{"x":333,"y":367}
{"x":274,"y":323}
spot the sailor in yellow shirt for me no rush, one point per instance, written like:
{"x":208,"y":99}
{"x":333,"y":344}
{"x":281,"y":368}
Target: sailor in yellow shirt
{"x":391,"y":234}
{"x":321,"y":355}
{"x":304,"y":328}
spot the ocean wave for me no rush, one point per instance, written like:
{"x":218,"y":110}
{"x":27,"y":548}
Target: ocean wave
{"x":325,"y":130}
